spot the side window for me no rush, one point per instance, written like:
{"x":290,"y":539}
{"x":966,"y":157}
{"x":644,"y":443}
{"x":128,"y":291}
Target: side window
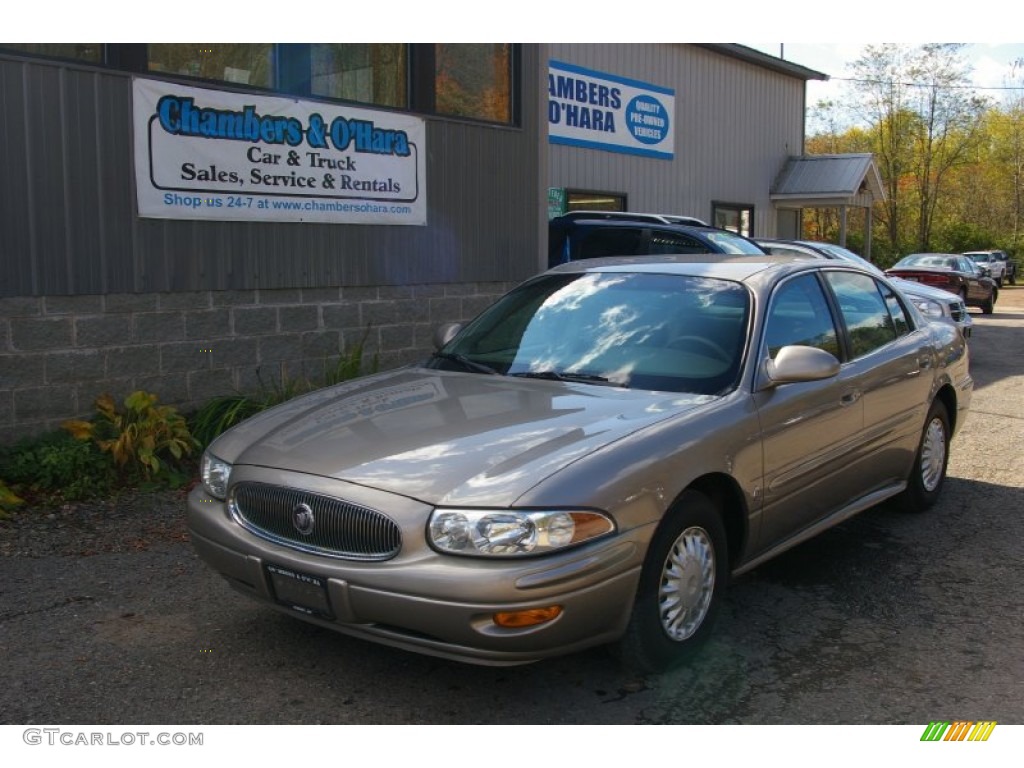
{"x":898,"y":313}
{"x":799,"y":314}
{"x":668,"y":242}
{"x":866,"y":314}
{"x":611,"y":241}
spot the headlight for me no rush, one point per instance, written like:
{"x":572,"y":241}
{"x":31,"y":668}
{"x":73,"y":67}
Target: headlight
{"x":508,"y":533}
{"x":215,"y":473}
{"x":929,"y":308}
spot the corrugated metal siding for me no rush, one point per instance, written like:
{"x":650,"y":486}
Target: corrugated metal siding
{"x":736,"y":125}
{"x":67,"y":204}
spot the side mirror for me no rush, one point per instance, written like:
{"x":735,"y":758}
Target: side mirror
{"x":446,"y":333}
{"x":799,"y":363}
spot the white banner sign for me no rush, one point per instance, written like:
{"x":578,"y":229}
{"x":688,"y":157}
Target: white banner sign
{"x":616,"y":114}
{"x":205,"y":154}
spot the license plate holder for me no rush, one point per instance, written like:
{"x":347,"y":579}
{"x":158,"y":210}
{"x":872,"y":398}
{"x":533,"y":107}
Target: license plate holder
{"x":302,"y":592}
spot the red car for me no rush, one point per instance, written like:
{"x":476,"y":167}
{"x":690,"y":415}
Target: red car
{"x":951,"y":272}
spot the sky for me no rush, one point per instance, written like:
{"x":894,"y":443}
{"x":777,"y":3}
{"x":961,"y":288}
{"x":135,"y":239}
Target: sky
{"x":990,"y":63}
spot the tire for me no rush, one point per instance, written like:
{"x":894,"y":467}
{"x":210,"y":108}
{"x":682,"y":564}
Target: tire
{"x":928,"y":474}
{"x":989,"y":305}
{"x":687,"y":563}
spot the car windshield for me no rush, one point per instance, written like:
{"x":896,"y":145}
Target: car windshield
{"x":647,"y":331}
{"x":732,"y":243}
{"x":847,"y":255}
{"x":980,"y":257}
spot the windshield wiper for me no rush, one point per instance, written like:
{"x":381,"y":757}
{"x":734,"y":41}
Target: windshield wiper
{"x":589,"y":378}
{"x":466,"y":362}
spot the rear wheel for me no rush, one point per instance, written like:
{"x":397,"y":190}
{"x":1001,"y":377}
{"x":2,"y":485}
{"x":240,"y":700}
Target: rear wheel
{"x":680,"y":588}
{"x":929,"y":472}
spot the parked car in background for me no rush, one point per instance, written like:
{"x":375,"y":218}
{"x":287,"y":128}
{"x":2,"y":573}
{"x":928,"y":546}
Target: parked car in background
{"x":574,"y":237}
{"x":1004,"y":269}
{"x":589,"y":460}
{"x":951,"y":272}
{"x":934,"y":303}
{"x":990,"y":265}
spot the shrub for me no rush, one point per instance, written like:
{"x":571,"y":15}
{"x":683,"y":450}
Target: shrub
{"x":56,"y":463}
{"x":147,"y":441}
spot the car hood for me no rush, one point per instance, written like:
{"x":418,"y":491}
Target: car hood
{"x":445,"y":438}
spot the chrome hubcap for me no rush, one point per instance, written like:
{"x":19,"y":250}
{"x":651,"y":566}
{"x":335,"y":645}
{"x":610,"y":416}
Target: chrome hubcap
{"x":687,"y":584}
{"x":933,"y":455}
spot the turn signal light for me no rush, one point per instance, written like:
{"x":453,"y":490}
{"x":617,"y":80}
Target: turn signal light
{"x":530,"y":618}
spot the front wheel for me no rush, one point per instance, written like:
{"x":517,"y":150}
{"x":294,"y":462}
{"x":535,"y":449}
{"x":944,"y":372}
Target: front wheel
{"x":680,"y":588}
{"x":989,"y":305}
{"x":929,"y":471}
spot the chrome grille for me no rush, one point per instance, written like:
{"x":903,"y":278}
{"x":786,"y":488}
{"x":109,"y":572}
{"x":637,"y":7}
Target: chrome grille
{"x":339,"y":529}
{"x":957,"y":310}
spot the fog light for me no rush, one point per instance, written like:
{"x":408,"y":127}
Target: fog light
{"x":530,"y":618}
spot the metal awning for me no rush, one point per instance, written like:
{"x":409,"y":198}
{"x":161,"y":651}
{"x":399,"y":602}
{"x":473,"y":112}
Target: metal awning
{"x":831,"y":181}
{"x":828,"y":181}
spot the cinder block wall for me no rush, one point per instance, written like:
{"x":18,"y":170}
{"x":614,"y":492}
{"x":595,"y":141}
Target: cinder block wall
{"x":58,"y":353}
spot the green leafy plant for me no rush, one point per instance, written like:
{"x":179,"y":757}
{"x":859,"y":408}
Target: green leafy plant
{"x":145,"y":439}
{"x":9,"y":500}
{"x":57,"y":464}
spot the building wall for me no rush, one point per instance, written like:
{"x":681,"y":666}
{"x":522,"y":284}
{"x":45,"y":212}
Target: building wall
{"x":736,"y":125}
{"x":94,"y":299}
{"x":60,"y":352}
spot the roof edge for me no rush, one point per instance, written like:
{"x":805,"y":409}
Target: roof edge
{"x":758,"y":58}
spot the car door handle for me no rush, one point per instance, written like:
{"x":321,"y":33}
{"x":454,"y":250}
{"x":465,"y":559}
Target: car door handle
{"x":849,"y":398}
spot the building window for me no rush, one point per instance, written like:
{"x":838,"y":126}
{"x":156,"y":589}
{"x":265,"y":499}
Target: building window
{"x":91,"y":52}
{"x":734,"y":217}
{"x":244,"y":63}
{"x":473,"y":80}
{"x":371,"y":73}
{"x":582,"y":200}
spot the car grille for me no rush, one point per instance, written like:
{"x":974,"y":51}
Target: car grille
{"x":958,"y":311}
{"x":338,"y":529}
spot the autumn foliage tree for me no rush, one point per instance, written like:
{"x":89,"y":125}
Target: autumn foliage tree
{"x":951,"y":161}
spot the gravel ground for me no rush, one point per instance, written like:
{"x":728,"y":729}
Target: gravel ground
{"x":134,"y":521}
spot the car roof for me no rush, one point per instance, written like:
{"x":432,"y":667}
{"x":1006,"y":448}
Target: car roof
{"x":649,"y":221}
{"x":728,"y":267}
{"x":657,"y":218}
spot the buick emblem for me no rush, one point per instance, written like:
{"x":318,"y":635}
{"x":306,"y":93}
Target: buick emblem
{"x":302,"y":519}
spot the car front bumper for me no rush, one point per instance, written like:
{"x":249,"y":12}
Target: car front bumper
{"x":437,"y":604}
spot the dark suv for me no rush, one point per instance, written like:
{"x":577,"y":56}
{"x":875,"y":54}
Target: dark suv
{"x":573,"y":237}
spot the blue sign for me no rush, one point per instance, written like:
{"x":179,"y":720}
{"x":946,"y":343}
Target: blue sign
{"x":597,"y":110}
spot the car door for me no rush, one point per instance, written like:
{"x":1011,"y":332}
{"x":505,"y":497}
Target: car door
{"x":889,"y":363}
{"x":811,"y":431}
{"x":978,"y":289}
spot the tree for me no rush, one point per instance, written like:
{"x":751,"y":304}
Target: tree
{"x":923,"y":120}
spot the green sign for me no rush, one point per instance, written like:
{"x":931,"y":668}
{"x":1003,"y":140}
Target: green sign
{"x":556,"y":202}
